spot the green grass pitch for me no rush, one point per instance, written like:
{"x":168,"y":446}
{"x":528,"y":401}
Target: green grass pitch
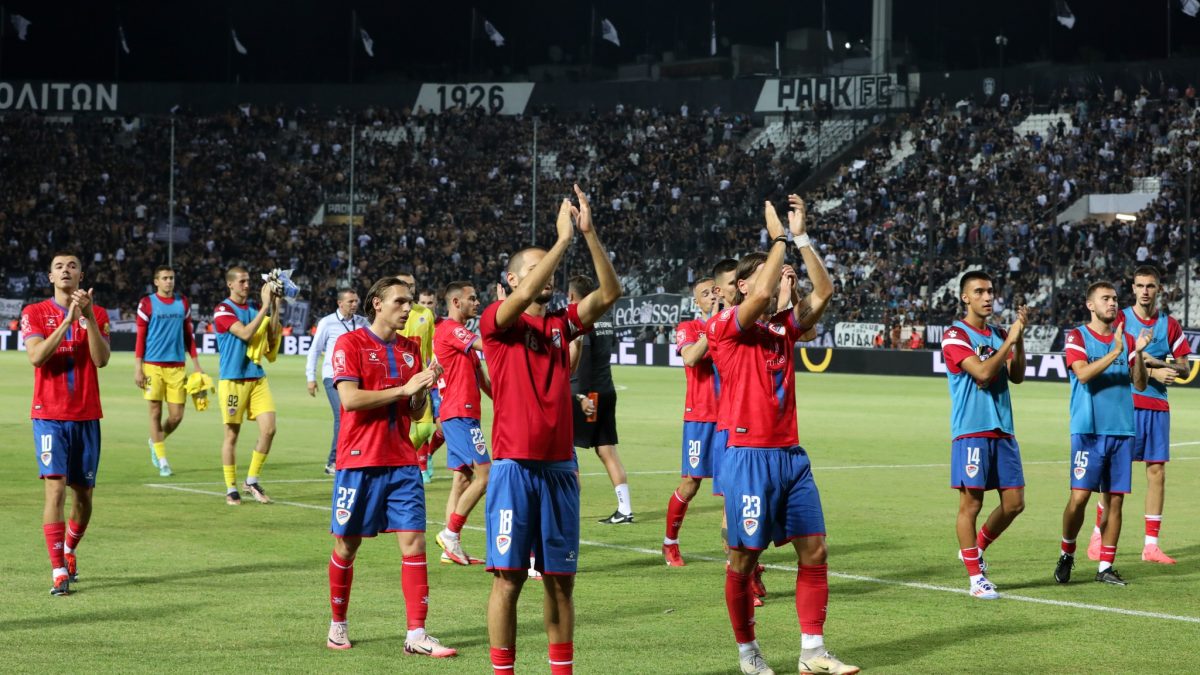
{"x":176,"y":581}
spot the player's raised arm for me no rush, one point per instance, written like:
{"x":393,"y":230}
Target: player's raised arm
{"x":809,"y":310}
{"x":524,"y":294}
{"x":98,"y":348}
{"x":1016,"y":366}
{"x":245,"y":331}
{"x":596,"y":303}
{"x":1085,"y":371}
{"x":756,"y":301}
{"x":41,"y":349}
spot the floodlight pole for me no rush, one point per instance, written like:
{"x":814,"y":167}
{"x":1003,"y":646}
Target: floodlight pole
{"x":1187,"y":255}
{"x":533,"y":196}
{"x":171,"y":202}
{"x":350,"y":243}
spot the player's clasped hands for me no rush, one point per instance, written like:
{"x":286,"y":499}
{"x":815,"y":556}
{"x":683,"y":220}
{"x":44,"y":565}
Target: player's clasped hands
{"x":1018,"y":325}
{"x":774,"y":226}
{"x":797,"y":216}
{"x":422,"y":381}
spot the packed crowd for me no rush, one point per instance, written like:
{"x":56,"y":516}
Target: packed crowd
{"x":450,"y":195}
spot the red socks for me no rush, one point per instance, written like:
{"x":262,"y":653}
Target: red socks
{"x":812,"y":598}
{"x":970,"y":557}
{"x":1153,"y":525}
{"x":984,"y":538}
{"x":1099,"y":513}
{"x":438,"y":439}
{"x":55,"y":532}
{"x":422,"y":459}
{"x":503,"y":659}
{"x":74,"y":534}
{"x":676,"y":510}
{"x":562,"y":658}
{"x":341,"y":576}
{"x":1108,"y":554}
{"x":414,"y":579}
{"x":740,"y":603}
{"x":456,"y":523}
{"x":1068,"y":547}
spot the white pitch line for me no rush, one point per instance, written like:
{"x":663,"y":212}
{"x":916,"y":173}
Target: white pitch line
{"x":786,"y":568}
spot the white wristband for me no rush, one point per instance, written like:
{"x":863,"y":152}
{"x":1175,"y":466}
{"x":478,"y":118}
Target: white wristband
{"x":803,"y":241}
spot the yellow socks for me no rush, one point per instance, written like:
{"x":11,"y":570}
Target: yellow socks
{"x":257,"y":459}
{"x":160,"y":450}
{"x":230,"y":471}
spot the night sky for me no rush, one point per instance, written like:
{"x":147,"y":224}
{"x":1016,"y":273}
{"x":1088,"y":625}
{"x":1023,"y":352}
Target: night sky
{"x":307,"y":40}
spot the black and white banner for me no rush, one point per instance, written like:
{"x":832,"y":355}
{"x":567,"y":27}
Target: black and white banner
{"x":848,"y":334}
{"x":58,"y":96}
{"x":857,"y":92}
{"x":496,"y":98}
{"x":1038,"y":337}
{"x":10,"y":308}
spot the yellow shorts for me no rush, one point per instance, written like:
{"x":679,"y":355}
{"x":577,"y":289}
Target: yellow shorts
{"x":165,"y":383}
{"x":244,"y":398}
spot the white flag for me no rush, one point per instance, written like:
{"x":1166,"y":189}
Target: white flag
{"x":1191,"y":7}
{"x":21,"y":24}
{"x":609,"y":32}
{"x":493,"y":34}
{"x":712,"y":43}
{"x":237,"y":44}
{"x":1063,"y":14}
{"x":829,"y":39}
{"x":121,"y":35}
{"x":368,"y":43}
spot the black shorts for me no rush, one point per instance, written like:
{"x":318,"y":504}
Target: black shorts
{"x":604,"y":430}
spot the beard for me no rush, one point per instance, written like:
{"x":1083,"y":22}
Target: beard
{"x":544,"y":297}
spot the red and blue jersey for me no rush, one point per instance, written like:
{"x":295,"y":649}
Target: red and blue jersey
{"x":1168,"y":340}
{"x":164,"y":330}
{"x":529,"y":362}
{"x":459,"y":384}
{"x":66,"y":387}
{"x":376,"y":436}
{"x":758,"y":393}
{"x":700,"y":404}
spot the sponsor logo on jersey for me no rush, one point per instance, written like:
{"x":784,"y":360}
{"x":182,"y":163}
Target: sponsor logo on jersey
{"x":750,"y":525}
{"x":373,"y":357}
{"x":503,"y":542}
{"x":570,"y":556}
{"x":972,"y":470}
{"x":46,"y":456}
{"x":342,"y":516}
{"x":1080,"y":472}
{"x":339,"y":361}
{"x":463,"y":334}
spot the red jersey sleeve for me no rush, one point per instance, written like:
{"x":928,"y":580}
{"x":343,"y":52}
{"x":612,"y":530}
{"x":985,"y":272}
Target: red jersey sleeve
{"x":1179,"y":343}
{"x":575,"y":326}
{"x":189,"y":332}
{"x":224,"y":317}
{"x":1073,"y":348}
{"x":102,"y":322}
{"x":345,"y":360}
{"x":145,"y":308}
{"x":686,"y":333}
{"x":31,"y":323}
{"x":458,"y":339}
{"x":956,"y":348}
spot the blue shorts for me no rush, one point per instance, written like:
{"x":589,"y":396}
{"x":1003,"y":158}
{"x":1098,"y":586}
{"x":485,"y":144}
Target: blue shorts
{"x":703,"y":447}
{"x":533,"y":507}
{"x":377,"y":499}
{"x":1101,"y":463}
{"x":435,"y":400}
{"x":465,"y":444}
{"x":68,"y":450}
{"x":1152,"y":444}
{"x":770,"y":496}
{"x":986,"y":464}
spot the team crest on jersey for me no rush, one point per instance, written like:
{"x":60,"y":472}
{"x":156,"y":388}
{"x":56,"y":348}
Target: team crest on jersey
{"x":83,"y":323}
{"x":694,"y":461}
{"x":680,"y":337}
{"x":556,"y":337}
{"x":750,"y":525}
{"x":972,"y":470}
{"x":46,"y":457}
{"x":503,"y":542}
{"x":726,"y":313}
{"x":480,"y":448}
{"x":1080,"y":472}
{"x":409,"y":360}
{"x":342,"y":516}
{"x":777,"y":328}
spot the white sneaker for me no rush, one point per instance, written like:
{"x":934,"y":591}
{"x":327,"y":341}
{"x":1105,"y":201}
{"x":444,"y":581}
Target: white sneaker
{"x":429,"y":646}
{"x":825,"y":664}
{"x":452,"y":547}
{"x":983,"y":589}
{"x":753,"y":663}
{"x":337,"y":638}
